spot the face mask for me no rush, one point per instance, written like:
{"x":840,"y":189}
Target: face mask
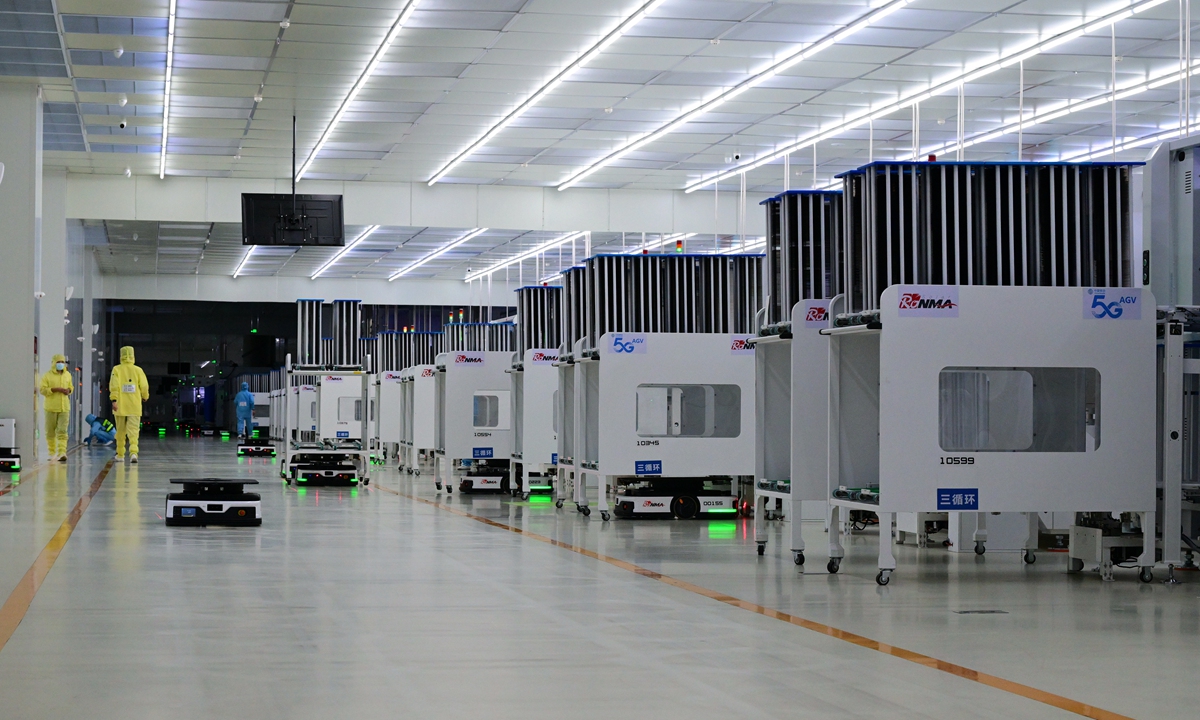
{"x":59,"y":366}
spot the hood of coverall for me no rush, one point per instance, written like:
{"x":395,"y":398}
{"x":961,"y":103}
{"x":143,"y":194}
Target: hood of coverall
{"x":127,"y":355}
{"x":90,"y":419}
{"x":58,"y":359}
{"x":245,"y":386}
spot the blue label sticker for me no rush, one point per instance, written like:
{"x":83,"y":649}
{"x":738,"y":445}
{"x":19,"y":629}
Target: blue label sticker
{"x":343,"y":433}
{"x":627,"y":344}
{"x":187,"y":512}
{"x":647,"y":467}
{"x":553,"y":458}
{"x":1112,"y":304}
{"x":481,"y":453}
{"x":958,"y":499}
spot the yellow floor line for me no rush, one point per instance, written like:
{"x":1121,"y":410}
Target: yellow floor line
{"x":1015,"y":688}
{"x":14,"y":609}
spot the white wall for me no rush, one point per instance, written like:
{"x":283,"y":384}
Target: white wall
{"x":110,"y":197}
{"x":223,"y":288}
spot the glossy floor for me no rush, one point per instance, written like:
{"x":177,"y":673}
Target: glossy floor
{"x":368,"y":604}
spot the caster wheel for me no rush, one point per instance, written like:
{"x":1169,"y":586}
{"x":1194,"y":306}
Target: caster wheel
{"x":416,"y":472}
{"x":439,"y":486}
{"x":605,"y":516}
{"x":884,"y":577}
{"x":979,"y":550}
{"x":449,"y":490}
{"x":798,"y":558}
{"x":1146,"y":575}
{"x":1030,"y":558}
{"x":834,"y":565}
{"x":1076,"y":565}
{"x":762,"y":548}
{"x":587,"y":511}
{"x":558,"y":504}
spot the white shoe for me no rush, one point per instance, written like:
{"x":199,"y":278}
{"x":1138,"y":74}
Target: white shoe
{"x":133,"y":458}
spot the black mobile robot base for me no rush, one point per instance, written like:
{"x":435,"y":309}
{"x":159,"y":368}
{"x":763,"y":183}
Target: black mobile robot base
{"x":214,"y":501}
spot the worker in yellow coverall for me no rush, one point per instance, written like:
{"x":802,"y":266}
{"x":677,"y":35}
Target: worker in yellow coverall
{"x":56,"y":387}
{"x":128,"y":388}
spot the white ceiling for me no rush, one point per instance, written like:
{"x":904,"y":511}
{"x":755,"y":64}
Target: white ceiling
{"x":216,"y":249}
{"x":458,"y":66}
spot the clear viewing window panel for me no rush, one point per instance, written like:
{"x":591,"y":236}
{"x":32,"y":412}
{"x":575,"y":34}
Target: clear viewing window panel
{"x":349,"y":409}
{"x":689,"y":410}
{"x":1018,"y":409}
{"x":487,"y":411}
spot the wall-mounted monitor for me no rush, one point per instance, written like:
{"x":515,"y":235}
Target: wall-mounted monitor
{"x":269,"y":219}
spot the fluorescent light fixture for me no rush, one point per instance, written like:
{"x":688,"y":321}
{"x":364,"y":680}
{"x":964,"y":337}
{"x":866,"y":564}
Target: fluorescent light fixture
{"x":242,"y":265}
{"x":1067,"y":108}
{"x":438,"y":253}
{"x":405,"y":13}
{"x":561,"y":240}
{"x":757,"y":244}
{"x":793,"y":58}
{"x":342,"y":253}
{"x":1003,"y":61}
{"x":1126,"y":144}
{"x":588,"y":55}
{"x":162,"y":153}
{"x":654,"y":244}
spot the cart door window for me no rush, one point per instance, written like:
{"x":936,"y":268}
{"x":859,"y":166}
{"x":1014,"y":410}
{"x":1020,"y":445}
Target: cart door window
{"x":1019,"y":409}
{"x":689,"y":410}
{"x":349,"y":409}
{"x":487,"y":411}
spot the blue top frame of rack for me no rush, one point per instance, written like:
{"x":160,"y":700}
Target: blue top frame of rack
{"x":988,"y":163}
{"x":810,"y":191}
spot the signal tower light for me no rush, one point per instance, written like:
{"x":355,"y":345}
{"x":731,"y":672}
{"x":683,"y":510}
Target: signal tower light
{"x":679,"y":246}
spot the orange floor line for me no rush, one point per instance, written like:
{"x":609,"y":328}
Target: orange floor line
{"x":14,"y":609}
{"x":1009,"y":686}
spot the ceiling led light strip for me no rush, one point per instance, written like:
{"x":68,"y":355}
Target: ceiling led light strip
{"x":377,"y":58}
{"x":162,"y":153}
{"x":242,"y":265}
{"x":794,"y":58}
{"x":561,"y":240}
{"x":750,"y":247}
{"x":438,"y":253}
{"x":357,"y":241}
{"x":1065,"y":109}
{"x":549,"y":87}
{"x":662,"y":241}
{"x":1126,"y":144}
{"x":1000,"y":63}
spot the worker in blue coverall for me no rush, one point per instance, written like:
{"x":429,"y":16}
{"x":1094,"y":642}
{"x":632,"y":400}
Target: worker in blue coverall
{"x":243,"y":402}
{"x":103,"y":431}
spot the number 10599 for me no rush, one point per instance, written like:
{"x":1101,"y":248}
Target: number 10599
{"x":957,"y":460}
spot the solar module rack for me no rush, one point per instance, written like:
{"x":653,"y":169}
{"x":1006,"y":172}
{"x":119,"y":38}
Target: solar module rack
{"x":960,"y":282}
{"x":802,"y":272}
{"x":473,"y":407}
{"x":329,"y":443}
{"x":534,"y":382}
{"x":656,"y":381}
